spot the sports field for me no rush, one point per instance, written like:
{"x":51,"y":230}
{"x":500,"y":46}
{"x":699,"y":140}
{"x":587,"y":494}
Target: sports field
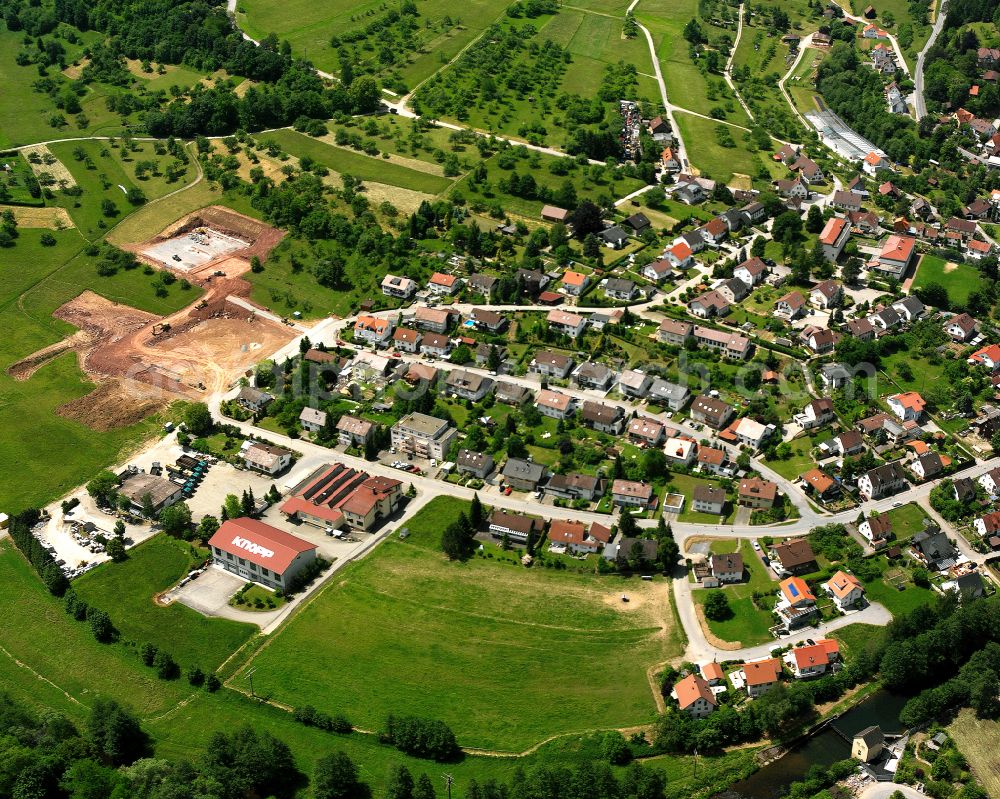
{"x":127,"y":590}
{"x":960,"y":280}
{"x":506,"y":656}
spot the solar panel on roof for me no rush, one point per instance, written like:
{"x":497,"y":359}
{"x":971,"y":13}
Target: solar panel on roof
{"x":793,"y":590}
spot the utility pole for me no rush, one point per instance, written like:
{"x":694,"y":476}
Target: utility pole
{"x":250,"y":678}
{"x":448,"y":780}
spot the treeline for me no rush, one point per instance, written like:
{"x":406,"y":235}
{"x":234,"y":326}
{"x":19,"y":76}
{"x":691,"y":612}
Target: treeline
{"x":951,"y":655}
{"x":198,"y":34}
{"x":37,"y":555}
{"x":46,"y":756}
{"x":855,"y":93}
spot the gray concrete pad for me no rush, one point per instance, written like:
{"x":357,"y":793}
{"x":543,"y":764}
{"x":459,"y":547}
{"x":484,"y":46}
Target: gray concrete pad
{"x":210,"y":592}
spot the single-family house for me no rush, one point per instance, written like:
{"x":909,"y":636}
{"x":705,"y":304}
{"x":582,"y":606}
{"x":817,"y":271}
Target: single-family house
{"x":554,"y":404}
{"x":882,"y":481}
{"x":846,"y":589}
{"x":477,"y":464}
{"x":794,"y":556}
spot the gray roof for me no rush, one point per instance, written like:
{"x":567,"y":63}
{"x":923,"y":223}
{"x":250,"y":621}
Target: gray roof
{"x":619,"y":285}
{"x":667,"y":390}
{"x":614,"y":233}
{"x":523,"y":470}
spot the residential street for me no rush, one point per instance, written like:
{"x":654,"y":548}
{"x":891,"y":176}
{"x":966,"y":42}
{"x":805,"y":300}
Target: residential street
{"x":919,"y":106}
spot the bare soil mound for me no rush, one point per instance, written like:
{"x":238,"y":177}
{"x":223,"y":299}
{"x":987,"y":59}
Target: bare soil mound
{"x":113,"y":404}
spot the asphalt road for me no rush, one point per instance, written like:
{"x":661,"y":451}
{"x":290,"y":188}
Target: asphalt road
{"x":919,"y":106}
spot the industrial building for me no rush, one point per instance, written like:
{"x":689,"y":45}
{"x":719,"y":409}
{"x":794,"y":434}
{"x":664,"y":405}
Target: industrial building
{"x":260,"y":553}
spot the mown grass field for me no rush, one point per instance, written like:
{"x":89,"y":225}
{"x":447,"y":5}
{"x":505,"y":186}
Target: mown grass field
{"x":505,"y":655}
{"x":356,"y":164}
{"x":749,"y":625}
{"x":50,"y":454}
{"x":907,"y":520}
{"x":128,"y":590}
{"x":959,"y":279}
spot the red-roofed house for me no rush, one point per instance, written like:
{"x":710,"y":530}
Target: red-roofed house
{"x":444,"y":284}
{"x":760,"y":676}
{"x":694,"y":696}
{"x":846,"y":589}
{"x":260,"y":553}
{"x":812,"y":660}
{"x":834,"y":236}
{"x":988,"y":356}
{"x":895,"y":256}
{"x":908,"y":406}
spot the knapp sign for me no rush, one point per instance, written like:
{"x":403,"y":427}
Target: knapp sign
{"x":251,"y":547}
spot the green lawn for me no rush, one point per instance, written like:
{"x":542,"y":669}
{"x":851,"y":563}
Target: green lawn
{"x":858,"y":637}
{"x":685,"y":484}
{"x":907,"y":520}
{"x":475,"y":644}
{"x":959,"y":279}
{"x":798,"y":462}
{"x":356,"y":164}
{"x":749,"y":625}
{"x":896,"y":601}
{"x":127,"y":589}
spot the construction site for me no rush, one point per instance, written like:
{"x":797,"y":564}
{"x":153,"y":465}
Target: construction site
{"x":142,"y":361}
{"x":209,"y":243}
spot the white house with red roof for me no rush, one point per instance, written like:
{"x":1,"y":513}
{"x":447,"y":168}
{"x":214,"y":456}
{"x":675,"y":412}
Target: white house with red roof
{"x":260,"y":553}
{"x":679,"y":255}
{"x":908,"y":406}
{"x":988,"y":356}
{"x":846,"y":589}
{"x":441,"y":283}
{"x":834,"y":237}
{"x":694,"y":696}
{"x":875,"y":163}
{"x":814,"y":659}
{"x":895,"y":256}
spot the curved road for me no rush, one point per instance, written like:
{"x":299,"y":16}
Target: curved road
{"x":728,"y":73}
{"x":919,"y":106}
{"x":668,"y":109}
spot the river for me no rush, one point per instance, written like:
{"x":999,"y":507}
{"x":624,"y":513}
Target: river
{"x":822,"y":749}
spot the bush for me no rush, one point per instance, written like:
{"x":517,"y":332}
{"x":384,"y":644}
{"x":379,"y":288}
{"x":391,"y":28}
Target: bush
{"x":717,"y":606}
{"x":196,"y":676}
{"x":421,"y":737}
{"x":166,"y":667}
{"x":311,"y":717}
{"x":148,"y":653}
{"x":212,"y":683}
